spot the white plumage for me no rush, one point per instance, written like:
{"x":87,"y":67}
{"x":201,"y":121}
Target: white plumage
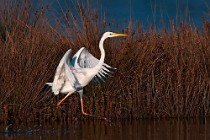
{"x":73,"y":75}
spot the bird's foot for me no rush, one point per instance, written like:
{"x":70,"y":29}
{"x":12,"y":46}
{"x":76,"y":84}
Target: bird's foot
{"x":98,"y":117}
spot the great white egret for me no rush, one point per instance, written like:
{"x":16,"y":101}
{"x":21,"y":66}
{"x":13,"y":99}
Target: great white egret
{"x":72,"y":76}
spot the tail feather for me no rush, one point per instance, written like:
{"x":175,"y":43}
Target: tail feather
{"x":49,"y":84}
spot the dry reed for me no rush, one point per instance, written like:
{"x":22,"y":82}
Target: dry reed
{"x":160,"y":74}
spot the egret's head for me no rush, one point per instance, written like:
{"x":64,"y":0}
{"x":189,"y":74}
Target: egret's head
{"x":111,"y":34}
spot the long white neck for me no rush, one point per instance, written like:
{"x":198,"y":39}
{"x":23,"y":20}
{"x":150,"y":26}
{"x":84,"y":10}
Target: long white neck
{"x":101,"y":47}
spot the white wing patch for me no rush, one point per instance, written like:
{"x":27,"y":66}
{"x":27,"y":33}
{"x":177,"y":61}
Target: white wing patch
{"x":84,"y":59}
{"x":62,"y":72}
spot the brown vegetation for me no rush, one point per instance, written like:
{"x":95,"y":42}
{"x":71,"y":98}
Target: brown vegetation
{"x":160,"y":74}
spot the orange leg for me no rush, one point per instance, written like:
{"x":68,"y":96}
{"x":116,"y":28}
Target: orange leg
{"x":58,"y":104}
{"x":82,"y":109}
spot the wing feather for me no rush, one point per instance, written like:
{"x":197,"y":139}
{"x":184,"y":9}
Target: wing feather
{"x":84,"y":59}
{"x":63,"y":72}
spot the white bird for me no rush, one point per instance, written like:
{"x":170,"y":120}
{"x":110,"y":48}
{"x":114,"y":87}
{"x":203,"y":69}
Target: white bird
{"x":72,"y":76}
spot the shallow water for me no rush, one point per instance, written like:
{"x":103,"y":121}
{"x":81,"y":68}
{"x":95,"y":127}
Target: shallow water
{"x":99,"y":130}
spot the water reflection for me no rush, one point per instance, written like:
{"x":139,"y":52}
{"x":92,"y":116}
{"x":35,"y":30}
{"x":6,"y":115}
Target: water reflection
{"x":99,"y":130}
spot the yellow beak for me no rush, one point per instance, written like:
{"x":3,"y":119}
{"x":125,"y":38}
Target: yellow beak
{"x":120,"y":34}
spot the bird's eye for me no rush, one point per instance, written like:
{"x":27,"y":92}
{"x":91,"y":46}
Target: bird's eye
{"x":110,"y":34}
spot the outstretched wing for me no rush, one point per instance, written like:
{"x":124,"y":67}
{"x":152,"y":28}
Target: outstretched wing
{"x":63,"y":72}
{"x":84,"y":59}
